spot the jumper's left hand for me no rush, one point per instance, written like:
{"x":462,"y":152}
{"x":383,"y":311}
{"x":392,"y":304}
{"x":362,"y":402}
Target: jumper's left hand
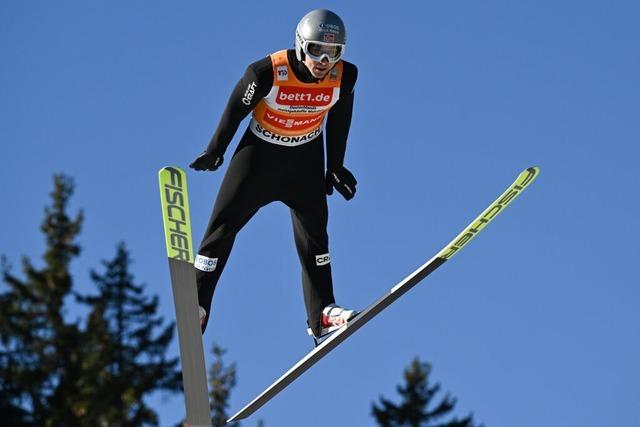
{"x":342,"y":180}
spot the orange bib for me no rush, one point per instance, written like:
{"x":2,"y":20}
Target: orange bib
{"x":293,"y":112}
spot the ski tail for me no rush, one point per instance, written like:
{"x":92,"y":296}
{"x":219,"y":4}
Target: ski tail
{"x":177,"y":229}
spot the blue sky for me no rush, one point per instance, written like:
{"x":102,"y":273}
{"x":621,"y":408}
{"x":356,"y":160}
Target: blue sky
{"x":535,"y":323}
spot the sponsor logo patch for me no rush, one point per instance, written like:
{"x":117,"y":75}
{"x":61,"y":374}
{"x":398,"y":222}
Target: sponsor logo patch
{"x":287,"y":122}
{"x":206,"y":264}
{"x":297,"y":96}
{"x":330,"y":27}
{"x":323,"y":259}
{"x":282,"y":72}
{"x":329,"y":38}
{"x":290,"y":141}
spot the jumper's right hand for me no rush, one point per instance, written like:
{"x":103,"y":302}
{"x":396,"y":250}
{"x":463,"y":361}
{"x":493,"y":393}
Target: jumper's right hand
{"x":207,"y":162}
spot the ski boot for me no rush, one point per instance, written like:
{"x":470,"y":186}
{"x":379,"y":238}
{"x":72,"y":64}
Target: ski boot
{"x":333,"y":318}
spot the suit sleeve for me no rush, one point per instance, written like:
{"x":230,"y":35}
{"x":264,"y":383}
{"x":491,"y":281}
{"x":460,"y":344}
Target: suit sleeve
{"x":339,"y":119}
{"x":254,"y":85}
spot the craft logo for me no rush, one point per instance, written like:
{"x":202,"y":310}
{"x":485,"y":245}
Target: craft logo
{"x":177,"y":221}
{"x":282,"y":72}
{"x":298,"y":96}
{"x":248,"y":94}
{"x":488,"y":215}
{"x":323,"y":259}
{"x":205,"y":264}
{"x":289,"y":123}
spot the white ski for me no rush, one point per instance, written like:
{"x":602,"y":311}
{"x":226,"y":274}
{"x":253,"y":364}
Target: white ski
{"x":477,"y":225}
{"x":177,"y":228}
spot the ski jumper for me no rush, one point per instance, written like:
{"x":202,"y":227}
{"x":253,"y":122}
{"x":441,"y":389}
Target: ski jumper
{"x":281,"y":157}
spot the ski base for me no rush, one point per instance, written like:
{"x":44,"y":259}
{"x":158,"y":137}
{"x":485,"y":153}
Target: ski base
{"x":323,"y":348}
{"x":177,"y":225}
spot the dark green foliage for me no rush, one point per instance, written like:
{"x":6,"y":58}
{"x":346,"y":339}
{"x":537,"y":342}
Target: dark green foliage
{"x":40,"y":352}
{"x":55,"y":372}
{"x":222,"y":379}
{"x":126,"y":343}
{"x":417,"y":396}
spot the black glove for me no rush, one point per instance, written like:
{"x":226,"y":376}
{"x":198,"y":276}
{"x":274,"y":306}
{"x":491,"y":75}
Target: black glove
{"x":207,"y":162}
{"x":342,"y":180}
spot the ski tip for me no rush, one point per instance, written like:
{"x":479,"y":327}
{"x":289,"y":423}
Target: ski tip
{"x":535,"y":169}
{"x":526,"y":177}
{"x":171,"y":168}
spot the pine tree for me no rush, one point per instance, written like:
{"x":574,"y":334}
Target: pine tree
{"x":222,"y":379}
{"x":40,"y":351}
{"x":55,"y":372}
{"x":417,"y":395}
{"x":128,"y":353}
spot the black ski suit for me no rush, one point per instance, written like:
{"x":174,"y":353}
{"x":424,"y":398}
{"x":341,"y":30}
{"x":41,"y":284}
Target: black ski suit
{"x":261,"y":172}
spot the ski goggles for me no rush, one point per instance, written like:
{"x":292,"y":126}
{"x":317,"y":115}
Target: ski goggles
{"x":319,"y":51}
